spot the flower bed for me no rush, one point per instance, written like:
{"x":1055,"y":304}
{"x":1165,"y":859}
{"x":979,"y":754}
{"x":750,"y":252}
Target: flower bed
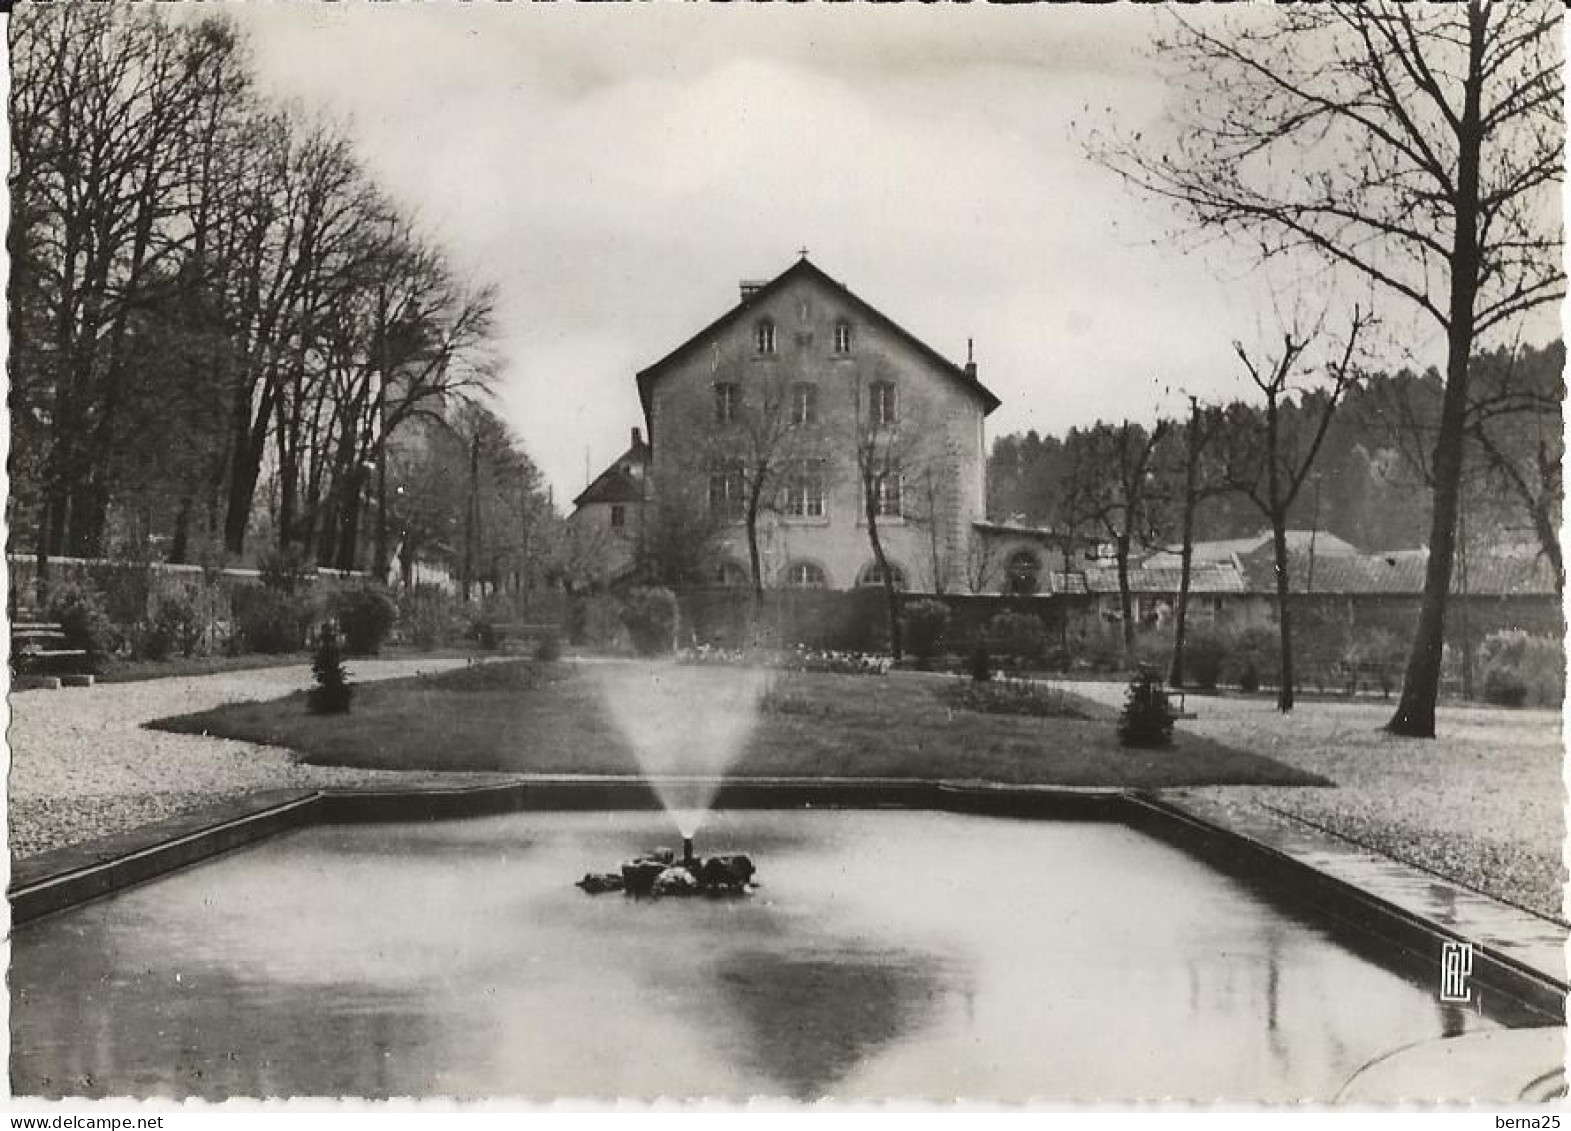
{"x":799,"y":659}
{"x":1005,"y":696}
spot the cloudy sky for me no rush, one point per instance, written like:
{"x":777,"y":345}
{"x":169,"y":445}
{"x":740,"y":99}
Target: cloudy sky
{"x":616,"y":169}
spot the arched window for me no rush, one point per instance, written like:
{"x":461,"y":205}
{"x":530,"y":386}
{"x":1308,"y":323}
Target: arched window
{"x":764,"y":336}
{"x":1023,"y":573}
{"x":842,"y":337}
{"x":806,"y":575}
{"x":872,"y":575}
{"x":731,"y":574}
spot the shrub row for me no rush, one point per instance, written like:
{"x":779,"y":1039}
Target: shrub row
{"x":194,"y":615}
{"x":1520,"y":670}
{"x":925,"y":627}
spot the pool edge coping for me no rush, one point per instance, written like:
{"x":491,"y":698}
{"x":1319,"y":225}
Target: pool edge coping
{"x":64,"y":878}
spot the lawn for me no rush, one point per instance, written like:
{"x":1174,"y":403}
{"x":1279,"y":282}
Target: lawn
{"x":522,"y":717}
{"x":137,"y":671}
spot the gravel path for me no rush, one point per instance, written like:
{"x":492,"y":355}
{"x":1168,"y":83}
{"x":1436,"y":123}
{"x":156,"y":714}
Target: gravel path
{"x":1481,"y":805}
{"x":82,"y":766}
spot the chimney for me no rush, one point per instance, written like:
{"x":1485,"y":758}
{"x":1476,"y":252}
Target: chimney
{"x":638,"y":438}
{"x":970,"y":359}
{"x":750,"y":287}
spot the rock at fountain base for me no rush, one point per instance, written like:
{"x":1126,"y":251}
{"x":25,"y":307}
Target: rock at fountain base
{"x":676,"y":880}
{"x":596,"y":883}
{"x":734,"y":871}
{"x":654,"y":874}
{"x":639,"y":876}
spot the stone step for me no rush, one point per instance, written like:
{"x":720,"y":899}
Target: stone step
{"x":36,"y":683}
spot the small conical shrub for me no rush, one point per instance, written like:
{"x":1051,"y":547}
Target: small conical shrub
{"x":332,"y":692}
{"x":1148,"y":716}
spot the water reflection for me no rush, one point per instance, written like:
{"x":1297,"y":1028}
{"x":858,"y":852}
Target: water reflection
{"x":886,"y":955}
{"x":809,"y":1020}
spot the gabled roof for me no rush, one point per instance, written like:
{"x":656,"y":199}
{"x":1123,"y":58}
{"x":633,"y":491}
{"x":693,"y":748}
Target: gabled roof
{"x":803,"y":269}
{"x":1326,"y":544}
{"x":613,"y":485}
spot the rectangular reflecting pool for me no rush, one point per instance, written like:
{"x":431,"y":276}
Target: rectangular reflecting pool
{"x":885,"y":954}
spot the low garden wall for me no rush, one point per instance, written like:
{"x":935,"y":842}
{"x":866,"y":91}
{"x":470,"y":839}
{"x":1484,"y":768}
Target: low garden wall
{"x":1342,"y":643}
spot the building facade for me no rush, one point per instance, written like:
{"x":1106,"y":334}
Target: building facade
{"x":608,"y":517}
{"x":804,"y":405}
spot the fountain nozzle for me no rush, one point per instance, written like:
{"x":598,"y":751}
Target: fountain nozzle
{"x":688,"y":859}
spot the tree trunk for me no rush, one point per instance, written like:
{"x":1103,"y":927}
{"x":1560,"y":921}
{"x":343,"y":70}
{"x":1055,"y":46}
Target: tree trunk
{"x":1549,"y":542}
{"x":89,"y":515}
{"x":754,"y":558}
{"x":1175,"y":675}
{"x":1415,"y":710}
{"x":349,"y":524}
{"x":891,"y":599}
{"x":1126,"y":603}
{"x":1284,"y":695}
{"x":244,"y":469}
{"x":179,"y":545}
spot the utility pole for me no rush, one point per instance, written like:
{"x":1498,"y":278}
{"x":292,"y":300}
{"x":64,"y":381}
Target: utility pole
{"x":472,"y":516}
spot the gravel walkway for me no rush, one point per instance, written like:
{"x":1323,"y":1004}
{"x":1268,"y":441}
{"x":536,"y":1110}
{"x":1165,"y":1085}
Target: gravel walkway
{"x":1481,"y":805}
{"x":82,"y":766}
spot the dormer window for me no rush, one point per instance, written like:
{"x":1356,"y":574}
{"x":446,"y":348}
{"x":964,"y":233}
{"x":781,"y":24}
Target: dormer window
{"x":764,"y":336}
{"x":842,"y":337}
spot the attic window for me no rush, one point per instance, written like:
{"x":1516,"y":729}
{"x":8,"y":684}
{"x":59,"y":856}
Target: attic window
{"x":618,"y":515}
{"x":842,"y":336}
{"x":764,"y":336}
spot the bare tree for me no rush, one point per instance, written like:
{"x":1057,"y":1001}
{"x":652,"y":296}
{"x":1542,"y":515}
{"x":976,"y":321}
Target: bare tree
{"x":929,"y":499}
{"x":980,"y":568}
{"x":682,"y":530}
{"x":889,"y":451}
{"x":1415,"y":146}
{"x":1270,"y":464}
{"x":1117,"y":497}
{"x":1515,"y":420}
{"x":759,"y":433}
{"x":1204,"y":478}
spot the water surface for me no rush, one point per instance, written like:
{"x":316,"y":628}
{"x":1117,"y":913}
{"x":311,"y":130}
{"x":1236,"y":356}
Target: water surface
{"x":886,"y":954}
